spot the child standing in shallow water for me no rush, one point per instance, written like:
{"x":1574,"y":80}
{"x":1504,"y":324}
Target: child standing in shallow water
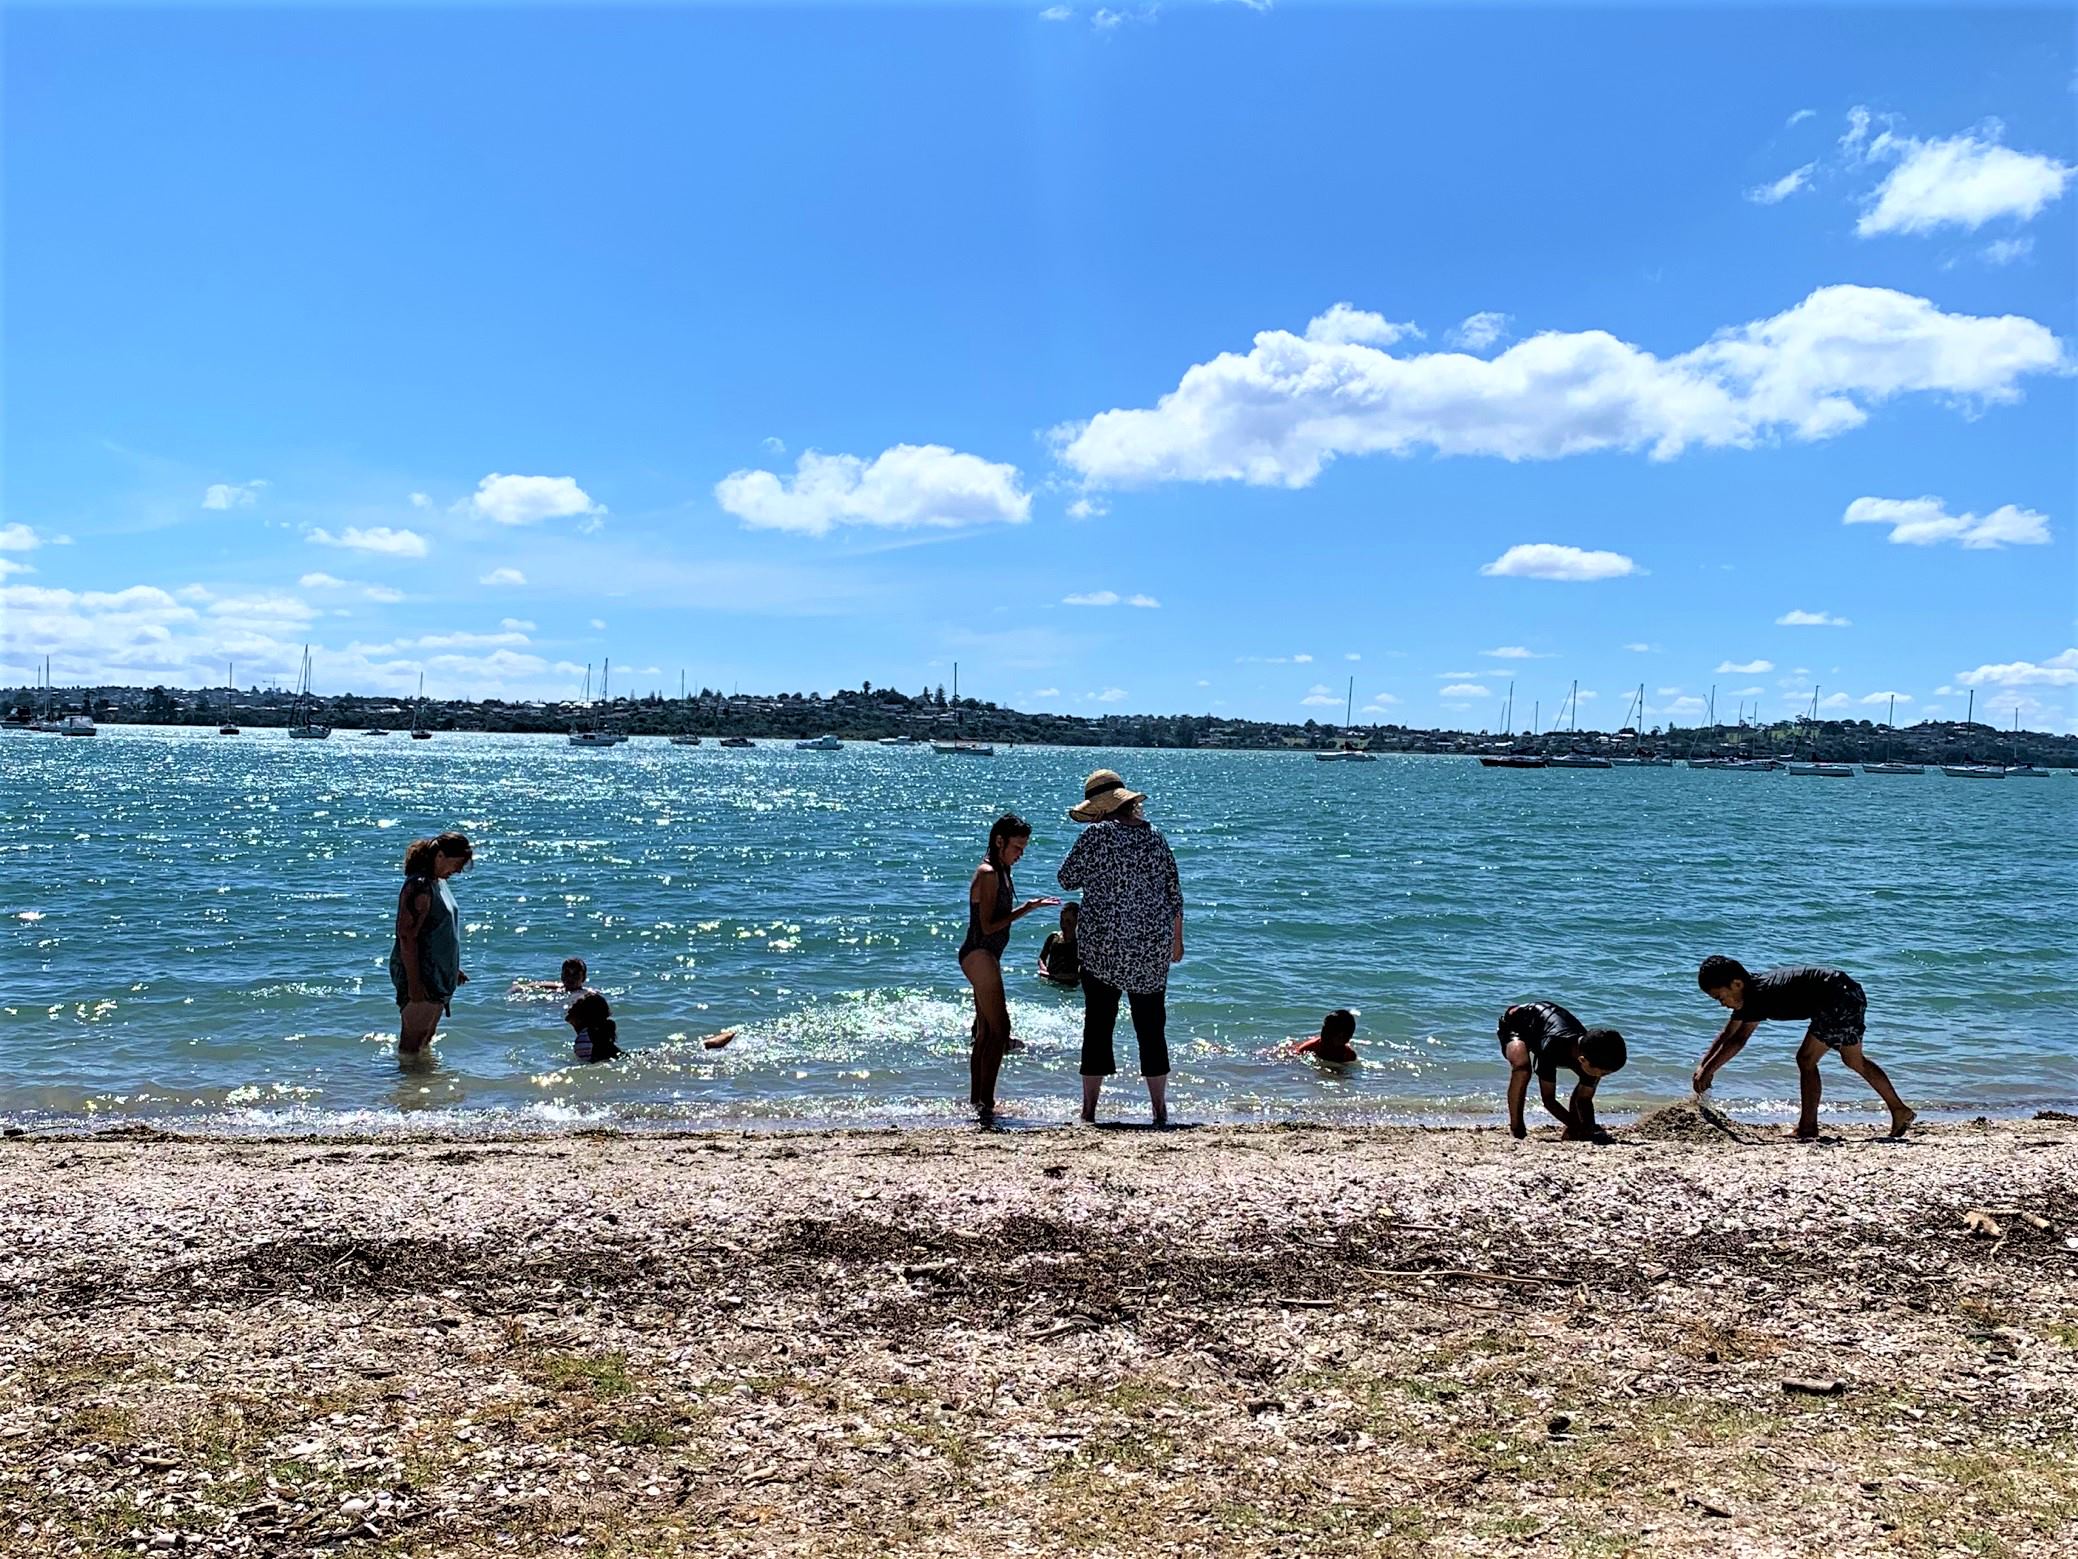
{"x":990,"y":912}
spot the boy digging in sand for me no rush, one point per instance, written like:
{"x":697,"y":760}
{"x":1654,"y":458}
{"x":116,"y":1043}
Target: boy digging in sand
{"x":1827,"y":999}
{"x":1542,"y":1036}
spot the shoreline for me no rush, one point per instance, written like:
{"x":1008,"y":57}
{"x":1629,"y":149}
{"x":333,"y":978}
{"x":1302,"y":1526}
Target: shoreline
{"x":1281,"y":1340}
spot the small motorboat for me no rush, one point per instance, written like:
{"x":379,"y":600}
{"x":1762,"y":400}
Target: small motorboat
{"x":1513,"y":760}
{"x":819,"y":744}
{"x":77,"y":725}
{"x":685,"y":739}
{"x":736,"y":741}
{"x":1817,"y":770}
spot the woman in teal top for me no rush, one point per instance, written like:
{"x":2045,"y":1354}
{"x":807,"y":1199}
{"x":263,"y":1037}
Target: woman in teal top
{"x":426,"y":961}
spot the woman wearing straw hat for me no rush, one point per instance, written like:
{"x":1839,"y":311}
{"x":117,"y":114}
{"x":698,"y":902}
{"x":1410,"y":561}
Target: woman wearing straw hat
{"x":1131,"y":932}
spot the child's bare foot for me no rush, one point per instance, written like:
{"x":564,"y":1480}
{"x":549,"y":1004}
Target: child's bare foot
{"x":1900,"y":1120}
{"x":1806,"y":1133}
{"x":717,"y":1041}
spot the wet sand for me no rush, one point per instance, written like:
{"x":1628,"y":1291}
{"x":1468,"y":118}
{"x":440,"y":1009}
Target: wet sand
{"x":1116,"y":1341}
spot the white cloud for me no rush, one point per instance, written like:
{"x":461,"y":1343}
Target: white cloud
{"x":9,"y":566}
{"x":268,"y":608}
{"x":1854,"y":140}
{"x":1458,"y":676}
{"x":1343,"y":323}
{"x":1641,"y":649}
{"x":1275,"y":415}
{"x":907,"y":485}
{"x":1962,"y":181}
{"x":1921,"y":522}
{"x":376,"y":538}
{"x":1545,"y":560}
{"x":1799,"y":117}
{"x":1465,"y":690}
{"x":1318,"y":696}
{"x":528,"y":500}
{"x":1667,"y":692}
{"x":599,"y":623}
{"x":1688,"y":704}
{"x":1147,"y":602}
{"x":460,"y":641}
{"x":516,"y":624}
{"x":1803,"y":619}
{"x":1477,"y":332}
{"x":2057,"y":671}
{"x":1087,"y":508}
{"x":1781,"y":189}
{"x":1748,"y":692}
{"x":1273,"y":660}
{"x":772,"y":445}
{"x":503,"y":576}
{"x":19,"y":538}
{"x":421,"y":501}
{"x":1055,"y":13}
{"x":1110,"y":695}
{"x":1380,"y":703}
{"x":323,"y":582}
{"x":1352,"y":655}
{"x":232,"y":495}
{"x":2004,"y":251}
{"x":381,"y":593}
{"x":1743,"y":668}
{"x":1092,"y":598}
{"x":1885,"y":697}
{"x":1046,"y":692}
{"x":1513,"y":652}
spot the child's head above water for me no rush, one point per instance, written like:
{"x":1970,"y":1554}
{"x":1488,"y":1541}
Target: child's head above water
{"x":1070,"y":913}
{"x":1338,"y":1027}
{"x":574,"y":973}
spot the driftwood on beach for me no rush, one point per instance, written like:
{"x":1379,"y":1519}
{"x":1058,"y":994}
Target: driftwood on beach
{"x":1256,"y":1341}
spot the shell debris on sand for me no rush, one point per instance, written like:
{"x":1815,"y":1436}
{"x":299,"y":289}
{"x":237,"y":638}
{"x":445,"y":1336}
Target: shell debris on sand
{"x":974,"y":1345}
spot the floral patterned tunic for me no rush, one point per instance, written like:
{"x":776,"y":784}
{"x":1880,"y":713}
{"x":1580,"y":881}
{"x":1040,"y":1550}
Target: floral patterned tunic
{"x":1130,"y":900}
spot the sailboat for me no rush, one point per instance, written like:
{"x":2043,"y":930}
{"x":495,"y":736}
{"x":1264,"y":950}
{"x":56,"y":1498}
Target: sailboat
{"x":959,"y":747}
{"x":1812,"y":767}
{"x":590,"y":733}
{"x":303,"y":723}
{"x":1574,"y":758}
{"x":1892,"y":765}
{"x":229,"y":728}
{"x":2017,"y":769}
{"x":419,"y":730}
{"x":1348,"y":752}
{"x":1516,"y":759}
{"x":1970,"y":768}
{"x":1637,"y":758}
{"x":683,"y":738}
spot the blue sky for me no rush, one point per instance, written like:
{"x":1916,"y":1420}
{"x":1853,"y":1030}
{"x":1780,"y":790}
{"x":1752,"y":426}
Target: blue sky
{"x":795,"y":347}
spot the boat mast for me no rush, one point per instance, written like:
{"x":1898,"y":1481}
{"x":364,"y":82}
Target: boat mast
{"x":1349,"y":706}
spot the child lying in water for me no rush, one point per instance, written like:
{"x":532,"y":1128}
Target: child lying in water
{"x":1332,"y":1045}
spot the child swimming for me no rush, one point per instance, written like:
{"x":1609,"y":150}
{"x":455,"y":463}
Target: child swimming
{"x":1332,"y":1045}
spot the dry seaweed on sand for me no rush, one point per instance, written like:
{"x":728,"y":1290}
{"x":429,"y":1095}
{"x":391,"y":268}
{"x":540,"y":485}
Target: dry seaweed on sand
{"x":1044,"y":1343}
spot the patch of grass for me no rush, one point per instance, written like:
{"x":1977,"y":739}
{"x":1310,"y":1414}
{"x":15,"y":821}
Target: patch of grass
{"x":599,"y":1374}
{"x":650,"y":1429}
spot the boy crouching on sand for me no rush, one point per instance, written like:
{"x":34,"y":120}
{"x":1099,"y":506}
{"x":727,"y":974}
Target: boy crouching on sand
{"x":1543,"y":1036}
{"x":1833,"y":1004}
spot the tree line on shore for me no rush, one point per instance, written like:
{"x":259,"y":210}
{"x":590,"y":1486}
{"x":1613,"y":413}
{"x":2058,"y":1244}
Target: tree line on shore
{"x":869,"y":713}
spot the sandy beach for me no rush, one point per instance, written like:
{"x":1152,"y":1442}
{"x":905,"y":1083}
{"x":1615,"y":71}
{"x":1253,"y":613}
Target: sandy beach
{"x":1113,"y":1341}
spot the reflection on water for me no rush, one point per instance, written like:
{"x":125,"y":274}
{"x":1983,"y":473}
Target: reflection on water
{"x":197,"y":928}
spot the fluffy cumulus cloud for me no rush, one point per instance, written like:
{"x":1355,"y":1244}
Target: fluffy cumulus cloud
{"x":1109,"y":695}
{"x":1344,"y":323}
{"x":502,"y":576}
{"x":1320,"y":697}
{"x":1276,"y":414}
{"x":232,"y":495}
{"x":1640,"y":648}
{"x":379,"y":539}
{"x":382,"y":594}
{"x":17,"y":537}
{"x":1803,"y":619}
{"x":323,"y":582}
{"x":1743,"y":668}
{"x":1273,"y":660}
{"x":1108,"y":598}
{"x":1477,"y":332}
{"x":1088,"y":508}
{"x":1886,"y":697}
{"x":1380,"y":703}
{"x":1961,"y":181}
{"x":1922,"y":522}
{"x":1546,"y":560}
{"x":1465,"y":690}
{"x":907,"y":486}
{"x":528,"y":500}
{"x":1779,"y":190}
{"x":2057,"y":671}
{"x":1512,"y":652}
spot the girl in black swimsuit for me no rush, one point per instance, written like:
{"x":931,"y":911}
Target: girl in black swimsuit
{"x":990,"y":897}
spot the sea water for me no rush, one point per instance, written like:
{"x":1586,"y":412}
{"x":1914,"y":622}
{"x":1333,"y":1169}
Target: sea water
{"x":196,"y":929}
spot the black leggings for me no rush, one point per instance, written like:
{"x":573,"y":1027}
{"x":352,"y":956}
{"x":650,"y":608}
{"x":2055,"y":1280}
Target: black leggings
{"x":1100,"y":1019}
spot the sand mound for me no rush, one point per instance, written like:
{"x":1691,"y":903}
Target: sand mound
{"x":1683,"y":1123}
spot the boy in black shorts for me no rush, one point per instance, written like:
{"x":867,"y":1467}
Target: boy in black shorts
{"x":1543,"y":1036}
{"x":1827,"y":999}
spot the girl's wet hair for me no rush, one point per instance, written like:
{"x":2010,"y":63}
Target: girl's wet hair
{"x":419,"y":857}
{"x":591,"y":1015}
{"x":574,"y":968}
{"x":1008,"y":827}
{"x":1339,"y":1025}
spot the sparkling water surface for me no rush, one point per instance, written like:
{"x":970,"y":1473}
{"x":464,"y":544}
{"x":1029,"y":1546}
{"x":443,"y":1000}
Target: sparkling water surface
{"x":197,"y":929}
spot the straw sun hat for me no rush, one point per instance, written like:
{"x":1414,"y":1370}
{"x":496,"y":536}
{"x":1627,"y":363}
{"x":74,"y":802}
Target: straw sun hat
{"x":1103,"y":793}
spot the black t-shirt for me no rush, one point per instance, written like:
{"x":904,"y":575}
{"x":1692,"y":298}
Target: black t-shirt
{"x":1546,"y":1028}
{"x":1061,"y":958}
{"x":1796,"y":995}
